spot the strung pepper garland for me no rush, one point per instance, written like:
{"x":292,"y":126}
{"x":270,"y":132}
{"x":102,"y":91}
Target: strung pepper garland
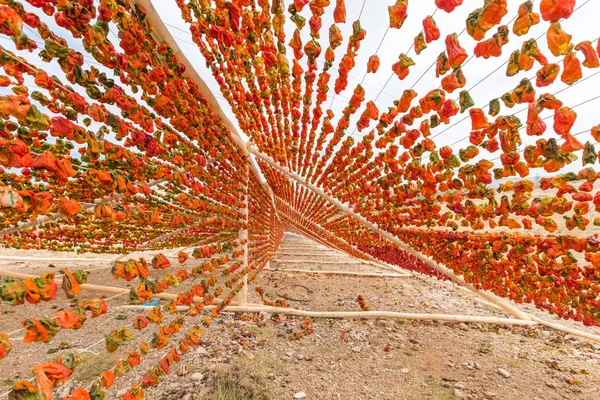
{"x":104,"y":212}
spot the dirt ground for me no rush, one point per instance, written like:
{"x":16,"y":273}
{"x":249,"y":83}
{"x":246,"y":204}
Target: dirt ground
{"x":341,"y":359}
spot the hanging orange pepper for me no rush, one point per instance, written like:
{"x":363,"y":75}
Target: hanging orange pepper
{"x":42,"y":330}
{"x":160,"y":261}
{"x":339,"y":13}
{"x":68,"y":207}
{"x":526,"y":19}
{"x":564,"y":119}
{"x":398,"y":13}
{"x":455,"y":80}
{"x":373,"y":64}
{"x":5,"y":345}
{"x":456,"y":54}
{"x":558,"y":40}
{"x":547,"y":75}
{"x":79,"y":394}
{"x":401,"y":68}
{"x":70,"y":284}
{"x":591,"y":58}
{"x":43,"y":288}
{"x":554,"y":10}
{"x":182,"y":257}
{"x":68,"y":319}
{"x":571,"y":69}
{"x":478,"y":119}
{"x":442,"y":65}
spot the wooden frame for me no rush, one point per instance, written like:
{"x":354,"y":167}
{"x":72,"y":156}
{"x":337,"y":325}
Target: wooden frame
{"x":432,"y":263}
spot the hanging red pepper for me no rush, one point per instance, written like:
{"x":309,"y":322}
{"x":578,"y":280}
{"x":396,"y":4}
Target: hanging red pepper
{"x":339,"y":13}
{"x":456,"y":54}
{"x":430,"y":29}
{"x":554,"y":10}
{"x":448,"y":5}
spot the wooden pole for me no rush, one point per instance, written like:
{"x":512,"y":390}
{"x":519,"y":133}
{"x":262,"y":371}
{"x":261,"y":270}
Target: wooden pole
{"x":560,"y":327}
{"x":374,"y":227}
{"x":242,"y":295}
{"x":364,"y":315}
{"x":330,"y":252}
{"x":306,"y":271}
{"x":394,"y":315}
{"x":353,"y":261}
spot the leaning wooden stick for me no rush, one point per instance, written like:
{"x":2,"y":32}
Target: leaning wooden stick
{"x":395,"y":315}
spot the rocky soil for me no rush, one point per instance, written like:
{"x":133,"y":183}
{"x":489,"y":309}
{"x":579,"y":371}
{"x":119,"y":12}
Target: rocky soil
{"x":341,"y":359}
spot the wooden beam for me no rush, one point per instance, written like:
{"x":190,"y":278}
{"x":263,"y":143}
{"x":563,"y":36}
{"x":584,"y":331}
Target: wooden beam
{"x":364,"y":315}
{"x":330,"y":253}
{"x":348,"y":273}
{"x":242,"y":296}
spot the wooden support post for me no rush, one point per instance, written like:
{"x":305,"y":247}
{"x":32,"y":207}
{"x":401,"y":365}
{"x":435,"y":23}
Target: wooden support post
{"x":392,"y":238}
{"x":242,"y":296}
{"x":366,"y":315}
